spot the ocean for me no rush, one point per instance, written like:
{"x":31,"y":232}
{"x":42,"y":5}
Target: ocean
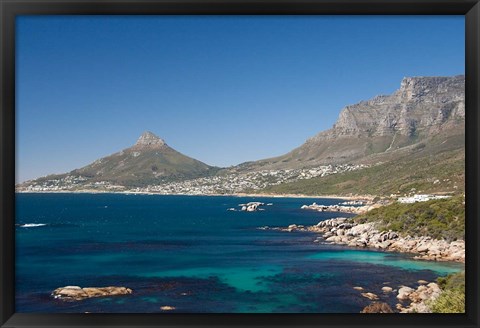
{"x":193,"y":254}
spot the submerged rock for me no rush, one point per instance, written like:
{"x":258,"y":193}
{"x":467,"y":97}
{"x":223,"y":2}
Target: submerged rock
{"x":370,"y":296}
{"x":76,"y":293}
{"x":386,"y":289}
{"x":167,"y":308}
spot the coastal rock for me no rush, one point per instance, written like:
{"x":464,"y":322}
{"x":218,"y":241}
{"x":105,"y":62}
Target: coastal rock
{"x":334,"y":239}
{"x":338,"y":208}
{"x":420,"y":298}
{"x":167,"y":308}
{"x":251,"y":206}
{"x":292,"y":227}
{"x":404,"y":292}
{"x":387,"y":289}
{"x":422,"y":248}
{"x":361,"y":228}
{"x":76,"y":293}
{"x":370,"y":296}
{"x":344,"y":231}
{"x":377,"y":307}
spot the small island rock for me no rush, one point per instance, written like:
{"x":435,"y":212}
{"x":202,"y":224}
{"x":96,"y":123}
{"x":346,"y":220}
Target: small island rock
{"x":76,"y":293}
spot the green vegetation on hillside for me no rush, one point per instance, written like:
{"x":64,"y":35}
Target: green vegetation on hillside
{"x":424,"y":174}
{"x":452,"y":299}
{"x":439,"y":219}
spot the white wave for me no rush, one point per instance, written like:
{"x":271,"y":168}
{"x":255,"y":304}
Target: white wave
{"x":32,"y":225}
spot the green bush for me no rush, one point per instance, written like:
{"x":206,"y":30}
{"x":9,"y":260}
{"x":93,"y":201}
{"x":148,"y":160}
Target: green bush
{"x":452,"y":299}
{"x":439,"y":219}
{"x":452,"y":281}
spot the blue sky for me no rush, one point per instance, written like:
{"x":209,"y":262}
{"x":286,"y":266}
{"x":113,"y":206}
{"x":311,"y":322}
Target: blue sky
{"x":223,"y":90}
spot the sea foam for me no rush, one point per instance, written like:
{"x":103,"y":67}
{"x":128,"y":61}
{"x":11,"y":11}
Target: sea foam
{"x":32,"y":225}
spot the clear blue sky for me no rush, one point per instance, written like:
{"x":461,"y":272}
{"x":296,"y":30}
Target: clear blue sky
{"x":223,"y":90}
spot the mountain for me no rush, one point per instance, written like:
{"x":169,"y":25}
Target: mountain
{"x":150,"y":160}
{"x":410,"y":140}
{"x":413,"y":140}
{"x":425,"y":112}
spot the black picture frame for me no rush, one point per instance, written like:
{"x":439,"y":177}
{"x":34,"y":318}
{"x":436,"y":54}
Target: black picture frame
{"x":9,"y":9}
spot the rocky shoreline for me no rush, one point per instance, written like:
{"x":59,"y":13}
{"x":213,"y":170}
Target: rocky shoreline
{"x":341,"y":208}
{"x":344,"y":231}
{"x":94,"y":191}
{"x":410,"y":300}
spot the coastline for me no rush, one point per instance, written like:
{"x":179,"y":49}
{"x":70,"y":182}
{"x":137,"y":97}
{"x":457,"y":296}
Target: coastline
{"x":344,"y":232}
{"x":407,"y":304}
{"x":355,"y":197}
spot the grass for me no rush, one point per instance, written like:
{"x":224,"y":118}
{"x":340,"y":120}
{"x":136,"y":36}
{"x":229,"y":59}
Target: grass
{"x":426,"y":174}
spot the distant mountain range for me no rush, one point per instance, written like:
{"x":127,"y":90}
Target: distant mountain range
{"x":424,"y":118}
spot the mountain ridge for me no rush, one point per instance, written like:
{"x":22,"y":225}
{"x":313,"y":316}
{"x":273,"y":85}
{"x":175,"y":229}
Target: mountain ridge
{"x":425,"y":117}
{"x":423,"y":107}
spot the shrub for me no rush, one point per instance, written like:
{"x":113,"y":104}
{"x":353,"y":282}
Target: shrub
{"x":452,"y":299}
{"x":439,"y":219}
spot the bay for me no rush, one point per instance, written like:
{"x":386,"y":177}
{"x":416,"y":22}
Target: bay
{"x":192,"y":253}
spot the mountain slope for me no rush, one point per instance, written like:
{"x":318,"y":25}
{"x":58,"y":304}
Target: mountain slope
{"x":417,"y":173}
{"x":413,"y":139}
{"x":150,"y":160}
{"x":424,"y":109}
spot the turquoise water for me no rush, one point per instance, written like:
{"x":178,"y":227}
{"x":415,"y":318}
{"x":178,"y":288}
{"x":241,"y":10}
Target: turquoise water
{"x":386,"y":259}
{"x":191,"y":253}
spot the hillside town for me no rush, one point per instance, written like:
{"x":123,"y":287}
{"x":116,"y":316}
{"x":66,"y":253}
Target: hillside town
{"x":228,"y":183}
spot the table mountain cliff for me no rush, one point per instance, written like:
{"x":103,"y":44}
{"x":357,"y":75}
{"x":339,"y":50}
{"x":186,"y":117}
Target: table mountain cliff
{"x":425,"y":113}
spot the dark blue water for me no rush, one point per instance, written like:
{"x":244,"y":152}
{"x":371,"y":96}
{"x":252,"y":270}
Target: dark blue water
{"x":189,"y":252}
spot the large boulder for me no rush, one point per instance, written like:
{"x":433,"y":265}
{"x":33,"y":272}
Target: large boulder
{"x":361,"y":229}
{"x":76,"y":293}
{"x":386,"y":289}
{"x":404,"y":292}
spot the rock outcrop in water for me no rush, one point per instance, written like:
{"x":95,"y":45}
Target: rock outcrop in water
{"x":377,"y":307}
{"x":77,"y":293}
{"x":251,"y":206}
{"x":418,"y":298}
{"x":410,"y":300}
{"x":344,"y":231}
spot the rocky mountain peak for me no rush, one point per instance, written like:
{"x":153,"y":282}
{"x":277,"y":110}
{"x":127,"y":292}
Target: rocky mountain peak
{"x":420,"y":102}
{"x":432,"y":89}
{"x":149,"y":139}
